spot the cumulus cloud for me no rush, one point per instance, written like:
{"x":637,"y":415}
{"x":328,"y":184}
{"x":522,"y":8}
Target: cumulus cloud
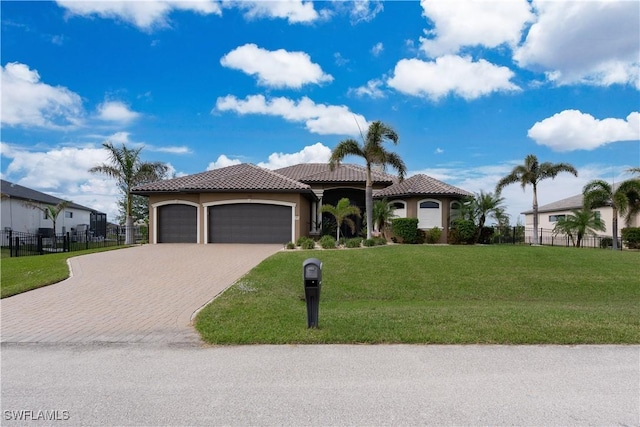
{"x":222,"y":162}
{"x":316,"y":153}
{"x":277,"y":68}
{"x":116,"y":111}
{"x":146,"y":15}
{"x":601,"y":36}
{"x":377,"y":49}
{"x":451,"y":75}
{"x":294,"y":11}
{"x":372,"y":89}
{"x":318,"y":118}
{"x":26,"y":101}
{"x":473,"y":23}
{"x":574,"y":130}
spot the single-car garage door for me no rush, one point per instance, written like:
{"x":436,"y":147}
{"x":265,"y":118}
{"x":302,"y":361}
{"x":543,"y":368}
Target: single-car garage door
{"x":250,"y":223}
{"x":177,"y":224}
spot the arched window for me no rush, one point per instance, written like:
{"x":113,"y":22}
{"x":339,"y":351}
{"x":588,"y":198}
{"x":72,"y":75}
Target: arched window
{"x":454,"y":211}
{"x":429,"y":214}
{"x":399,"y":208}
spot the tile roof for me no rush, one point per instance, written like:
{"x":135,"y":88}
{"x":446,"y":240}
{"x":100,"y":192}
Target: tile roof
{"x":17,"y":191}
{"x":344,"y":172}
{"x":242,"y":177}
{"x":421,"y":185}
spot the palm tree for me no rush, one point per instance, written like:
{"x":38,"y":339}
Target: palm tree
{"x":129,"y":170}
{"x":578,"y":223}
{"x":486,"y":204}
{"x":532,"y":172}
{"x":51,"y":212}
{"x":373,"y":153}
{"x":383,"y":213}
{"x":341,"y":212}
{"x":624,"y":200}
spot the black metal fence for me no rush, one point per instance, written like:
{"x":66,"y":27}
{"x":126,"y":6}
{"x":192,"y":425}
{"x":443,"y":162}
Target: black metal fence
{"x":26,"y":244}
{"x":547,"y":237}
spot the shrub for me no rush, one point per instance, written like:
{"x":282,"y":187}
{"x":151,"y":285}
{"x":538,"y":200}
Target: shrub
{"x":327,"y":242}
{"x":631,"y":237}
{"x":380,"y":241}
{"x":308,"y":244}
{"x":291,"y":245}
{"x":353,"y":243}
{"x":606,"y":242}
{"x":406,"y":229}
{"x":433,"y":235}
{"x":462,"y":231}
{"x":301,"y":240}
{"x":369,"y":242}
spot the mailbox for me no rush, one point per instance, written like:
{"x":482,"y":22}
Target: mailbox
{"x":312,"y":278}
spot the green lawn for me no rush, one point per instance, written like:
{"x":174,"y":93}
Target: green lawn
{"x":436,"y":294}
{"x":22,"y":274}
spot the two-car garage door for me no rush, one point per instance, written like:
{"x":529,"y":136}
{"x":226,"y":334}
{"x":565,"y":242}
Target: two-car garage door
{"x":226,"y":223}
{"x":249,"y":223}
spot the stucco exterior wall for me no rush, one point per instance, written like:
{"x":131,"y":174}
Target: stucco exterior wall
{"x":606,"y":214}
{"x":412,"y":205}
{"x":21,"y":218}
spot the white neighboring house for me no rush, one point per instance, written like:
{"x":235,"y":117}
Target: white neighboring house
{"x":549,"y":214}
{"x":17,"y":216}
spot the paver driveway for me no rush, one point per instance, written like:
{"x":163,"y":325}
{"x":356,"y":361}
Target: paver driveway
{"x":141,"y":294}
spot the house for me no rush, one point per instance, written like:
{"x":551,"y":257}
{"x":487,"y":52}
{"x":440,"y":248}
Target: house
{"x":550,"y":213}
{"x":19,"y":216}
{"x":248,"y":204}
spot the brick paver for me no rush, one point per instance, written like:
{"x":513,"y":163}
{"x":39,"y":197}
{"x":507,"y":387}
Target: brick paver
{"x":141,"y":294}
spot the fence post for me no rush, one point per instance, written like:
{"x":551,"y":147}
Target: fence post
{"x":67,"y":243}
{"x":40,"y":248}
{"x":10,"y":243}
{"x":17,"y":245}
{"x":86,"y":238}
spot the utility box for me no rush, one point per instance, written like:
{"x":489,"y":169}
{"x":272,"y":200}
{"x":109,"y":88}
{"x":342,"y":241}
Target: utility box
{"x":312,"y":279}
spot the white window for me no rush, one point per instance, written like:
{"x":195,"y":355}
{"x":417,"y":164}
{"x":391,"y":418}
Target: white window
{"x":399,"y":208}
{"x":429,"y":214}
{"x":68,"y":214}
{"x":556,"y":218}
{"x":454,"y":211}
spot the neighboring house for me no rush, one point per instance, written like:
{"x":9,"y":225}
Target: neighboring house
{"x":249,"y":204}
{"x":18,"y":216}
{"x":549,"y":214}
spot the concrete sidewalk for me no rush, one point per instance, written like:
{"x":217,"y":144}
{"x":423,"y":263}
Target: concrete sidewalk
{"x":141,"y":294}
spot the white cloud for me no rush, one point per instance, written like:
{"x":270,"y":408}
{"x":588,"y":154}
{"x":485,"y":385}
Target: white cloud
{"x":473,"y":23}
{"x":277,"y":68}
{"x":26,"y":101}
{"x":116,"y":111}
{"x":439,"y":151}
{"x":316,"y":153}
{"x":146,"y":15}
{"x":364,"y":10}
{"x":294,"y":11}
{"x":574,"y":130}
{"x":222,"y":162}
{"x":318,"y":118}
{"x":377,"y":49}
{"x":593,"y":42}
{"x":451,"y":75}
{"x":371,"y":89}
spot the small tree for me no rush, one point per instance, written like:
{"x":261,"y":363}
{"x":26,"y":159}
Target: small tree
{"x":484,"y":205}
{"x":341,"y":212}
{"x":383,"y":213}
{"x":51,"y":212}
{"x":578,"y":224}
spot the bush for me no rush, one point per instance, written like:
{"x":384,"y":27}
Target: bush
{"x":463,"y":231}
{"x":301,"y":240}
{"x":433,"y":235}
{"x":606,"y":242}
{"x":631,"y":237}
{"x":353,"y":243}
{"x":406,"y":229}
{"x":291,"y":245}
{"x":327,"y":242}
{"x":308,"y":244}
{"x":369,"y":242}
{"x":380,"y":241}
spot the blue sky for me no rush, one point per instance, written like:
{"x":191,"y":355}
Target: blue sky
{"x":471,"y":87}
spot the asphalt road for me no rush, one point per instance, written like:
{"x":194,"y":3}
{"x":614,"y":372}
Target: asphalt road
{"x":134,"y":384}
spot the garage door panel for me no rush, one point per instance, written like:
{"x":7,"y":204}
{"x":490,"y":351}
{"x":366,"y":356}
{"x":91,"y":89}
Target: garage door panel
{"x":177,"y":224}
{"x":249,"y":223}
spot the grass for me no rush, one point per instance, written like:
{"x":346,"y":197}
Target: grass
{"x":25,"y":273}
{"x":436,"y":294}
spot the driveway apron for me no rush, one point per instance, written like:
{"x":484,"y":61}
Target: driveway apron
{"x":144,"y":294}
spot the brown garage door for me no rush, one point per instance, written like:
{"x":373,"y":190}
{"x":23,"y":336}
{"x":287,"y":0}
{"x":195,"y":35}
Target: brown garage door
{"x":177,"y":224}
{"x":249,"y":223}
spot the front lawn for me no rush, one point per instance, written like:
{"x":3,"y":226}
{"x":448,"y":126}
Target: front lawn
{"x":21,"y":274}
{"x":436,"y":294}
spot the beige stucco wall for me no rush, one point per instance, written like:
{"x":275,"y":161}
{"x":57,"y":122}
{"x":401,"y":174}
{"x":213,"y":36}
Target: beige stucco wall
{"x":412,"y":204}
{"x":203,"y":200}
{"x":606,"y":214}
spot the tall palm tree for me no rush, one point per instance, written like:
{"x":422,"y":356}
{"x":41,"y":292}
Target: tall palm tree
{"x":484,"y":205}
{"x":129,"y":170}
{"x":341,"y":212}
{"x":624,"y":200}
{"x":532,"y":172}
{"x":579,"y":223}
{"x":373,"y":153}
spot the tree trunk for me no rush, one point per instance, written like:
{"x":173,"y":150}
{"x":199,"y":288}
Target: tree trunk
{"x":615,"y":228}
{"x":128,"y":236}
{"x":535,"y":216}
{"x":368,"y":202}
